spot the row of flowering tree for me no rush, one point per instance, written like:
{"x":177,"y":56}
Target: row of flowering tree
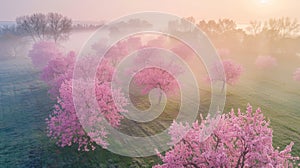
{"x":57,"y":69}
{"x":267,"y":62}
{"x":63,"y":124}
{"x":234,"y":70}
{"x":238,"y":140}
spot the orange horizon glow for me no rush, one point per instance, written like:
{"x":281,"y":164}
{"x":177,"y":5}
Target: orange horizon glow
{"x":242,"y":11}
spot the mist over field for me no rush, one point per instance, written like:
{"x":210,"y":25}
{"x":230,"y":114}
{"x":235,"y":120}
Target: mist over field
{"x":46,"y":89}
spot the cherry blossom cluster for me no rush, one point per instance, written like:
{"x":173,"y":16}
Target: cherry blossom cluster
{"x":242,"y":139}
{"x":63,"y":123}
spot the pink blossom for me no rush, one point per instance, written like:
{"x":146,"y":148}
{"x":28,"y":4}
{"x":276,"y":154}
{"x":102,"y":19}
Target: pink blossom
{"x":63,"y":123}
{"x":119,"y":50}
{"x":264,"y":62}
{"x":151,"y":77}
{"x":160,"y":41}
{"x":239,"y":140}
{"x":58,"y":70}
{"x":42,"y":52}
{"x":232,"y":72}
{"x":183,"y":50}
{"x":296,"y":75}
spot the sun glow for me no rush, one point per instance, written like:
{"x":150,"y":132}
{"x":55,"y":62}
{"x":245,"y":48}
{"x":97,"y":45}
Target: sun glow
{"x":264,"y":1}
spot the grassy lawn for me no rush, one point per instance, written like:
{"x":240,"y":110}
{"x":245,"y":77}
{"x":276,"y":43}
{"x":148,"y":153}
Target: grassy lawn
{"x":24,"y":105}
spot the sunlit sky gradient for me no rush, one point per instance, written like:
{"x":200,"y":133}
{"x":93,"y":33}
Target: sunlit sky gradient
{"x":241,"y":11}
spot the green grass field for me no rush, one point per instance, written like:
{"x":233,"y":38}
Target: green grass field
{"x":24,"y":105}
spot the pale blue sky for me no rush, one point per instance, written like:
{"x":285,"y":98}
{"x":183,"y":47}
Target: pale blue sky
{"x":94,"y":10}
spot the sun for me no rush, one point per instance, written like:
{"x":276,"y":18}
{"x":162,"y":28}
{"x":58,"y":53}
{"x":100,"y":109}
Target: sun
{"x":264,"y":1}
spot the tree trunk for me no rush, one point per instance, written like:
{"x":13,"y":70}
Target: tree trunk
{"x":160,"y":96}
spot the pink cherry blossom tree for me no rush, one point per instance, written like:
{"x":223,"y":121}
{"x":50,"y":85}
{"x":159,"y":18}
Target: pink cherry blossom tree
{"x":179,"y":48}
{"x":238,"y":140}
{"x":118,"y":50}
{"x":265,"y":62}
{"x":57,"y":71}
{"x":151,"y":77}
{"x":42,"y":52}
{"x":63,"y":123}
{"x":182,"y":50}
{"x":296,"y":75}
{"x":232,"y":72}
{"x":160,"y":41}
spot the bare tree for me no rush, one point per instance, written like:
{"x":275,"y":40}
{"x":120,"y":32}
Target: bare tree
{"x":203,"y":25}
{"x":283,"y":27}
{"x":255,"y":27}
{"x":39,"y":23}
{"x":214,"y":28}
{"x":25,"y":27}
{"x":289,"y":27}
{"x":40,"y":26}
{"x":59,"y":26}
{"x":226,"y":25}
{"x":34,"y":25}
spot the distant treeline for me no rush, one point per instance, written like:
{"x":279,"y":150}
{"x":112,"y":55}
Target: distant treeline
{"x":39,"y":26}
{"x":274,"y":36}
{"x":86,"y":27}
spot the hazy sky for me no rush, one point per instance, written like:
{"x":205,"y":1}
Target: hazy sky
{"x":95,"y":10}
